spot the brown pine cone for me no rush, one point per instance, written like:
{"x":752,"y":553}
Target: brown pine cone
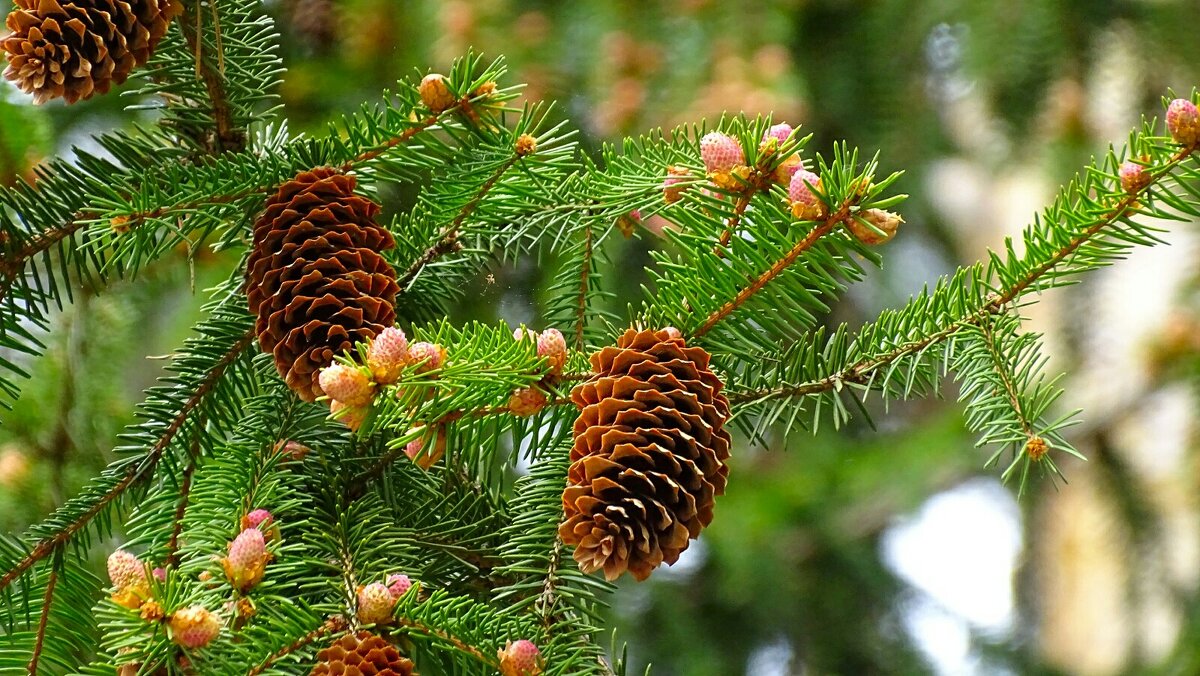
{"x":72,"y":50}
{"x":315,"y":276}
{"x":362,"y":653}
{"x":649,"y":454}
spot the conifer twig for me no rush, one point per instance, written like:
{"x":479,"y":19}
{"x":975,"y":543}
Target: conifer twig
{"x":136,"y":471}
{"x":12,"y":265}
{"x":39,"y":642}
{"x":775,"y":270}
{"x":185,"y":489}
{"x":458,"y":643}
{"x":331,"y":626}
{"x":228,"y":137}
{"x":862,"y":370}
{"x":448,"y":241}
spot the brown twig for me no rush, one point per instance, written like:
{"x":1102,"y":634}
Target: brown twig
{"x":185,"y":489}
{"x":227,"y":137}
{"x":330,"y":626}
{"x":775,"y":270}
{"x":458,"y":643}
{"x":135,"y":471}
{"x":448,"y":241}
{"x":47,"y":600}
{"x":581,"y":303}
{"x":860,"y":371}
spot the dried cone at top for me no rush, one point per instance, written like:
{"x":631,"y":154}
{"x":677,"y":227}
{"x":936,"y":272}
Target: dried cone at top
{"x":649,"y":454}
{"x":72,"y":50}
{"x":362,"y":653}
{"x":315,"y":276}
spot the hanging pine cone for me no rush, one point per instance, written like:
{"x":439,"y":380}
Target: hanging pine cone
{"x":72,"y":50}
{"x":362,"y":653}
{"x":315,"y":276}
{"x":649,"y":454}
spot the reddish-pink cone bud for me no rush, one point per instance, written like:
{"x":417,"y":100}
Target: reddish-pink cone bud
{"x":430,"y":355}
{"x":780,"y":132}
{"x":257,"y":518}
{"x":552,"y":346}
{"x":351,"y":416}
{"x":805,"y":204}
{"x":1134,"y":177}
{"x":387,"y":355}
{"x":125,"y":569}
{"x":1183,"y":121}
{"x":375,"y":604}
{"x":346,"y":384}
{"x":787,"y":169}
{"x":419,"y":451}
{"x":526,"y":401}
{"x":160,"y":574}
{"x":520,"y":658}
{"x":523,"y":333}
{"x":292,"y":450}
{"x":398,"y":585}
{"x":883,"y":226}
{"x":247,"y":559}
{"x":675,"y":183}
{"x":720,"y":152}
{"x":435,"y":94}
{"x":194,"y":627}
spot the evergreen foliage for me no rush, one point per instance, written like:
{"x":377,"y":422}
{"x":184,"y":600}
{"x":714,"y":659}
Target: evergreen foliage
{"x":737,"y":273}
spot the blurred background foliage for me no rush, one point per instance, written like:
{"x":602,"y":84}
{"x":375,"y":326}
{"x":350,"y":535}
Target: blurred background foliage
{"x":874,"y":549}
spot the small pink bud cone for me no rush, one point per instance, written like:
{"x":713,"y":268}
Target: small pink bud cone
{"x":552,"y":346}
{"x":247,"y":559}
{"x":720,"y":152}
{"x":520,"y":658}
{"x":526,"y":401}
{"x":257,"y":518}
{"x":885,"y":222}
{"x":125,"y":570}
{"x":779,"y":132}
{"x":194,"y":627}
{"x":1134,"y":177}
{"x":805,"y":204}
{"x":160,"y":574}
{"x":351,"y":416}
{"x":675,"y":183}
{"x":292,"y":450}
{"x":375,"y":603}
{"x":398,"y":585}
{"x":346,"y":384}
{"x":430,"y":355}
{"x":523,"y":333}
{"x":435,"y":93}
{"x":387,"y":355}
{"x":419,"y":451}
{"x":673,"y":333}
{"x":1183,"y":121}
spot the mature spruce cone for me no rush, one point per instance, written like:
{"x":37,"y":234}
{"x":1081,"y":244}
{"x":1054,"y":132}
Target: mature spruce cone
{"x":362,"y":653}
{"x":649,"y":454}
{"x":315,"y":276}
{"x":73,"y":50}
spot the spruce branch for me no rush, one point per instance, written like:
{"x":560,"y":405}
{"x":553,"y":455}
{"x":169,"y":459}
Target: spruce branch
{"x":47,"y":604}
{"x":227,"y":137}
{"x":185,"y":491}
{"x":126,"y":475}
{"x":825,"y":227}
{"x":448,"y":241}
{"x":332,"y":625}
